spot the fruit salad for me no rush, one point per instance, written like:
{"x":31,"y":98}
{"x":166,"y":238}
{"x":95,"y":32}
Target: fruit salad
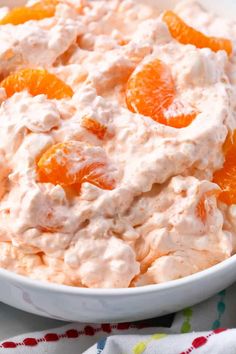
{"x":117,"y":141}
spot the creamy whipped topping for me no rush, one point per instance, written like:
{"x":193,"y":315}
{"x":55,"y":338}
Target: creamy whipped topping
{"x":148,"y":229}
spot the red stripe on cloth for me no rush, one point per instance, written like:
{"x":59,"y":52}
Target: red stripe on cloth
{"x":201,"y":341}
{"x":9,"y":345}
{"x":69,"y":334}
{"x":31,"y":342}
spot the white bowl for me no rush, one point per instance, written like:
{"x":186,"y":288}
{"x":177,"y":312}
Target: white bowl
{"x":114,"y":305}
{"x":118,"y":305}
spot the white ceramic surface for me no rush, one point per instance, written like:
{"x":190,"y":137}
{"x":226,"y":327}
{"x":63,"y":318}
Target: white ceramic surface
{"x":101,"y":305}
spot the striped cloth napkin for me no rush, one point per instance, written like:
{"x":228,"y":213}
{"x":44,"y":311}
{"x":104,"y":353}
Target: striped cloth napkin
{"x":205,"y":328}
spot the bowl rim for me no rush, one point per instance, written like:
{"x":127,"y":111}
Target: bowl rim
{"x":113,"y":292}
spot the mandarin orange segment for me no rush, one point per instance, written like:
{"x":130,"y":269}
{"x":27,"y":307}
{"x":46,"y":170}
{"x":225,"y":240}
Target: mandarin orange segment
{"x":151,"y":91}
{"x":201,"y":210}
{"x":179,"y":114}
{"x":229,"y":142}
{"x":94,"y":126}
{"x":226,"y":176}
{"x":38,"y":11}
{"x":188,"y":35}
{"x":123,"y":42}
{"x":37,"y":82}
{"x":73,"y":163}
{"x":181,"y":121}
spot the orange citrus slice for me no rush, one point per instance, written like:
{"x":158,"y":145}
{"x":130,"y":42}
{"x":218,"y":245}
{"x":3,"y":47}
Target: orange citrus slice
{"x":226,"y":176}
{"x":38,"y":11}
{"x":73,"y":163}
{"x":151,"y":91}
{"x":94,"y":126}
{"x":37,"y":82}
{"x":179,"y":115}
{"x":188,"y":35}
{"x":201,"y":209}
